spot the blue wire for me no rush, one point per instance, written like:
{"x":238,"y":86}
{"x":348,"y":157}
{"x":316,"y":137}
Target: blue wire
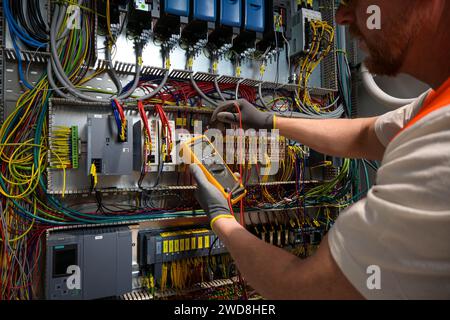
{"x":19,"y":62}
{"x":117,"y":116}
{"x":16,"y":29}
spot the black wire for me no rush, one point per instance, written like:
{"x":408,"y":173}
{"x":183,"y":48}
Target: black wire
{"x":35,"y":28}
{"x":210,"y":257}
{"x":34,"y":15}
{"x":142,"y":176}
{"x":35,"y":7}
{"x":98,"y":198}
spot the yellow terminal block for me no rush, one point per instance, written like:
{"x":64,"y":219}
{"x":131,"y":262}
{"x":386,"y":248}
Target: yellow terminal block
{"x":180,"y":122}
{"x":182,"y":245}
{"x":93,"y":173}
{"x":262,"y":69}
{"x":190,"y":63}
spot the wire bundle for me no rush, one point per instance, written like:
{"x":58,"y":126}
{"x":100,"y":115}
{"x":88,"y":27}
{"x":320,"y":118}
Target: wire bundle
{"x":321,"y":45}
{"x":121,"y":119}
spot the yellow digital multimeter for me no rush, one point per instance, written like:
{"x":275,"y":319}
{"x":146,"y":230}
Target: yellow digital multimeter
{"x":202,"y":152}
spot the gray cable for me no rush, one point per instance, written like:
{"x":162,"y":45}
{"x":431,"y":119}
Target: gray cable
{"x":111,"y":70}
{"x":200,"y":92}
{"x":261,"y":98}
{"x":56,"y":63}
{"x":51,"y":80}
{"x":137,"y":77}
{"x":157,"y":89}
{"x":216,"y":86}
{"x":237,"y":89}
{"x":307,"y":114}
{"x":52,"y":83}
{"x":335,"y":114}
{"x":59,"y":70}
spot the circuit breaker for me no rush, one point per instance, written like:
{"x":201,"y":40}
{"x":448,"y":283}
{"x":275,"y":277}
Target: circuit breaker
{"x":255,"y":15}
{"x":88,"y":264}
{"x":177,"y":7}
{"x":231,"y":13}
{"x":205,"y":10}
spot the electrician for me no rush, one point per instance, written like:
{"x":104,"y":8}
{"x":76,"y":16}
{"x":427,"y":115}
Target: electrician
{"x":401,"y":232}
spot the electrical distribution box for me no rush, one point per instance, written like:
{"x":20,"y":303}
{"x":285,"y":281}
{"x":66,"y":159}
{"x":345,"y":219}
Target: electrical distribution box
{"x":255,"y":15}
{"x":102,"y":260}
{"x":110,"y":156}
{"x":301,"y":30}
{"x":231,"y":13}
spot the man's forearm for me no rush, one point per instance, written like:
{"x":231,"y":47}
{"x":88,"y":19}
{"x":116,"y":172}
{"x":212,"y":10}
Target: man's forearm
{"x":277,"y":274}
{"x":344,"y":138}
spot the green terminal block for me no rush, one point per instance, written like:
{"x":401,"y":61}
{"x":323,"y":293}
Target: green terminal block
{"x":74,"y":143}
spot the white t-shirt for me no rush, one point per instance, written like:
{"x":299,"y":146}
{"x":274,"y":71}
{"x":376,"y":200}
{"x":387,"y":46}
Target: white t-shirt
{"x":403,"y":226}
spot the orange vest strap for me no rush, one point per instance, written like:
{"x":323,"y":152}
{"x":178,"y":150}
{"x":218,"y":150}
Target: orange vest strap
{"x":434,"y":101}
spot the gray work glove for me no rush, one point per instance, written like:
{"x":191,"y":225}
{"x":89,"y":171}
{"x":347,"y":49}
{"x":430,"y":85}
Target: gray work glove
{"x":209,"y":197}
{"x":251,"y":116}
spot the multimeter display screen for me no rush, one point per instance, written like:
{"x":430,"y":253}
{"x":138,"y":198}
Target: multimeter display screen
{"x":214,"y":163}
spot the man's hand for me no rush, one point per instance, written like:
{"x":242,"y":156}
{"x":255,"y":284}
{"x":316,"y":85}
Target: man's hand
{"x":251,"y":116}
{"x":209,"y":197}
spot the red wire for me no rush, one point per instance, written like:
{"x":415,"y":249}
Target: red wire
{"x":184,"y":90}
{"x":240,"y":167}
{"x":238,"y":109}
{"x":120,"y":109}
{"x":165,"y":122}
{"x":144,"y":120}
{"x":240,"y":142}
